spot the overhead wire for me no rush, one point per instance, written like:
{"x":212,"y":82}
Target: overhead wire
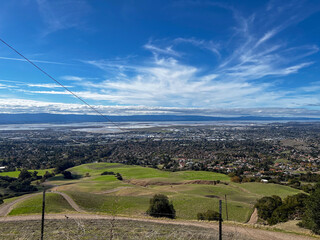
{"x":67,"y":89}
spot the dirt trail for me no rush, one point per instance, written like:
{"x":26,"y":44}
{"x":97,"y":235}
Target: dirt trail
{"x":70,"y":201}
{"x":251,"y":233}
{"x":254,"y":217}
{"x":6,"y":208}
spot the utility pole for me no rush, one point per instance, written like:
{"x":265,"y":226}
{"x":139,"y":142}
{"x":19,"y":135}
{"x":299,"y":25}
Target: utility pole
{"x":43,"y":208}
{"x":225,"y":198}
{"x":220,"y":219}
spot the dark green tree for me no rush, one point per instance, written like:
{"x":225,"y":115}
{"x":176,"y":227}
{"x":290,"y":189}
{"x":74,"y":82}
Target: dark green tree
{"x":161,"y":207}
{"x":24,"y":174}
{"x":67,"y":175}
{"x":267,"y":205}
{"x":311,"y":217}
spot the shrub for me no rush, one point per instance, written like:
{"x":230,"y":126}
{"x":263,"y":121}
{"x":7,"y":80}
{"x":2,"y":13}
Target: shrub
{"x":67,"y":175}
{"x":209,"y":215}
{"x":161,"y":207}
{"x":236,"y":179}
{"x":119,"y":177}
{"x":108,"y":173}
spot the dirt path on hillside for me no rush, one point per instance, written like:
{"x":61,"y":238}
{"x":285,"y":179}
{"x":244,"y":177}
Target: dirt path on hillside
{"x":254,"y":217}
{"x":6,"y":208}
{"x":70,"y":201}
{"x":251,"y":233}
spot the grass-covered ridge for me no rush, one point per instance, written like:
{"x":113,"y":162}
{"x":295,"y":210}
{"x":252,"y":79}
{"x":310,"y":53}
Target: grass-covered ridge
{"x":138,"y":172}
{"x":106,"y":194}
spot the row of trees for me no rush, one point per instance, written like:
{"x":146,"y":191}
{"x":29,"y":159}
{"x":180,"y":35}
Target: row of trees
{"x":300,"y":206}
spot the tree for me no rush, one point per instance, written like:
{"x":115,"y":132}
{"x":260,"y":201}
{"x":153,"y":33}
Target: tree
{"x":161,"y":207}
{"x":67,"y":175}
{"x":24,"y":174}
{"x":267,"y":205}
{"x":311,"y":217}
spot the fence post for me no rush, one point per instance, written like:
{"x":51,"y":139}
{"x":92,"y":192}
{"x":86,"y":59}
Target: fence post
{"x":225,"y":198}
{"x":43,"y":209}
{"x":220,"y":219}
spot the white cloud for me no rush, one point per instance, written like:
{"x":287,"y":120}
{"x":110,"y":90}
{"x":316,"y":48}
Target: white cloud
{"x":45,"y":85}
{"x":32,"y":60}
{"x":157,"y":50}
{"x":31,"y":106}
{"x":72,"y":78}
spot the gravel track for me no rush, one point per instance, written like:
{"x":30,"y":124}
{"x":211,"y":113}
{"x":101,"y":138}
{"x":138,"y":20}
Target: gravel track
{"x":252,"y":233}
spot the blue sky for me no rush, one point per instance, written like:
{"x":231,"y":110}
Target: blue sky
{"x":217,"y":58}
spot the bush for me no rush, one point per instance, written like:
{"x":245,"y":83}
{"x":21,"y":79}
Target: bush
{"x":209,"y":215}
{"x":67,"y":175}
{"x":108,"y":173}
{"x":161,"y":207}
{"x":119,"y":177}
{"x":236,"y":179}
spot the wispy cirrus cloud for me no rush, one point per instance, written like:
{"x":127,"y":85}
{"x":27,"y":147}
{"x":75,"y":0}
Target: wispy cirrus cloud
{"x":236,"y":80}
{"x":241,"y":71}
{"x":56,"y":18}
{"x":36,"y":61}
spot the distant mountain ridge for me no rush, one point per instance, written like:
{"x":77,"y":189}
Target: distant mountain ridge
{"x":26,"y":118}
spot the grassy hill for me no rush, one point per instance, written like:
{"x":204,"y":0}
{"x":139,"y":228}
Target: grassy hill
{"x":190,"y":191}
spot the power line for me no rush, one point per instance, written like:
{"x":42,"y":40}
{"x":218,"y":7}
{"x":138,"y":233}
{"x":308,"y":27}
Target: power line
{"x":68,"y":90}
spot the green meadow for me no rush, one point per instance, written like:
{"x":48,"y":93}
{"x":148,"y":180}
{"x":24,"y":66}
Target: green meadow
{"x":55,"y":203}
{"x":130,"y":197}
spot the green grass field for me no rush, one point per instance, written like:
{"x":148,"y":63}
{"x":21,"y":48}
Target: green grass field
{"x":106,"y":194}
{"x":55,"y":203}
{"x":137,"y":172}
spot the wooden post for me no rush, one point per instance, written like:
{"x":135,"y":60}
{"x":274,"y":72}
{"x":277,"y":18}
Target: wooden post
{"x":43,"y":209}
{"x":225,"y":198}
{"x":220,"y":219}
